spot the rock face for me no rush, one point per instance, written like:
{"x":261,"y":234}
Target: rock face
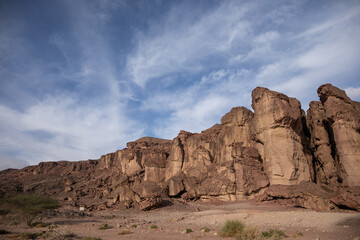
{"x":279,"y":130}
{"x":335,"y":136}
{"x":276,"y":153}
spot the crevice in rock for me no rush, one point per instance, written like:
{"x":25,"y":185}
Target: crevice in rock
{"x":334,"y":154}
{"x":343,"y":207}
{"x":330,"y":132}
{"x":305,"y":140}
{"x":179,"y":194}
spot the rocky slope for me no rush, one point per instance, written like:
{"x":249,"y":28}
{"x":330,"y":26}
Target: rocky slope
{"x":276,"y":153}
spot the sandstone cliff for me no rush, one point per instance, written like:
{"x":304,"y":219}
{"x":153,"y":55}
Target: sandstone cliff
{"x":276,"y":153}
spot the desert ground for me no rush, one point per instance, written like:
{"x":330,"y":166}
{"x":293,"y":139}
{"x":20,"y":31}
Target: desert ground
{"x":172,"y":220}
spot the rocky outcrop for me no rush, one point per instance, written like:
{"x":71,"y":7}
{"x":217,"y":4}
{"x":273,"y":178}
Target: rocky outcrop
{"x":335,"y":136}
{"x":275,"y":153}
{"x":279,"y":132}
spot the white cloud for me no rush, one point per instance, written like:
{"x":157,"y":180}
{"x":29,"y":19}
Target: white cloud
{"x":6,"y":163}
{"x":194,"y":118}
{"x":327,"y":53}
{"x":353,"y":92}
{"x":188,"y":68}
{"x":290,"y":62}
{"x":75,"y":132}
{"x":74,"y":122}
{"x":201,"y":105}
{"x":179,"y":46}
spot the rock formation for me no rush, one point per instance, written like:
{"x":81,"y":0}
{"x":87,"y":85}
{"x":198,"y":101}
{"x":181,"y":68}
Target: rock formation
{"x":335,"y":136}
{"x":279,"y":130}
{"x":276,"y":153}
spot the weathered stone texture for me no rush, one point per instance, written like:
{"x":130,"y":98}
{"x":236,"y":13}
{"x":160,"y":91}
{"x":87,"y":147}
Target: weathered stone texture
{"x":279,"y":133}
{"x":275,"y":153}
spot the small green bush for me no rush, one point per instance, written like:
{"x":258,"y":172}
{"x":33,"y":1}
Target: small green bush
{"x":249,"y":233}
{"x":188,"y":230}
{"x":205,"y":229}
{"x":31,"y":205}
{"x":14,"y":223}
{"x":273,"y":234}
{"x":153,"y":227}
{"x":103,"y":226}
{"x":232,"y":228}
{"x":134,"y":226}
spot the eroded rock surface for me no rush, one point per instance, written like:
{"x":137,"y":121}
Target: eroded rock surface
{"x":279,"y":132}
{"x":335,"y":136}
{"x":275,"y":153}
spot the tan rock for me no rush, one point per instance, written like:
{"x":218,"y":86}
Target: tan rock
{"x":327,"y":168}
{"x":343,"y":117}
{"x":279,"y":133}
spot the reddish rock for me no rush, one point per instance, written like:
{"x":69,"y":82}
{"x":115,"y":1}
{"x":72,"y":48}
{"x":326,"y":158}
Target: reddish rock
{"x":335,"y":134}
{"x":274,"y":152}
{"x":150,"y":202}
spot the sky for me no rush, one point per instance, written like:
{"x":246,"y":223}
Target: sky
{"x":79,"y":79}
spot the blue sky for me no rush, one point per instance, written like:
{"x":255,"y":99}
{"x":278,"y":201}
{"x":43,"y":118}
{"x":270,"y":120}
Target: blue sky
{"x":79,"y":79}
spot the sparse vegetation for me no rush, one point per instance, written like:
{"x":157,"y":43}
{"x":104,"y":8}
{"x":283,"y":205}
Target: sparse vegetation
{"x":54,"y":234}
{"x":153,"y":227}
{"x":273,"y":234}
{"x":232,"y":228}
{"x":30,"y":205}
{"x":188,"y":230}
{"x":103,"y":226}
{"x":249,"y":232}
{"x":125,"y":232}
{"x":13,"y":223}
{"x":298,"y":234}
{"x":241,"y":231}
{"x":134,"y":226}
{"x":205,"y":229}
{"x":28,"y":235}
{"x":91,"y":238}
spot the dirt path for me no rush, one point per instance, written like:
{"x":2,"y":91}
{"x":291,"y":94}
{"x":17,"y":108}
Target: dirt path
{"x":173,"y":220}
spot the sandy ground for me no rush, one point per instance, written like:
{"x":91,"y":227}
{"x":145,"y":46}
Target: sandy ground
{"x":172,"y":220}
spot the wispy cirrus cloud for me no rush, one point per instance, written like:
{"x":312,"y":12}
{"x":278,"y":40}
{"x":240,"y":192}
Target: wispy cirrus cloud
{"x":275,"y":50}
{"x":76,"y":108}
{"x":85,"y":77}
{"x":57,"y":128}
{"x":181,"y":42}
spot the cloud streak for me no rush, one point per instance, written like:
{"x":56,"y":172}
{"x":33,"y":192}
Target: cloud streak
{"x":91,"y":75}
